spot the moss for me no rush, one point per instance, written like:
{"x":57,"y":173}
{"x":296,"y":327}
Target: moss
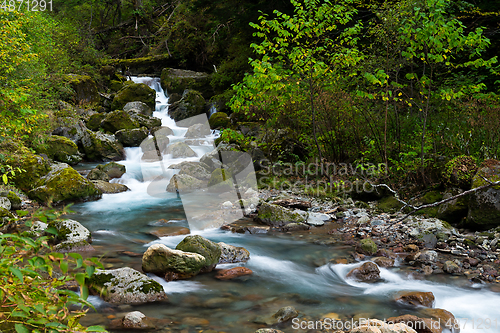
{"x":368,"y":246}
{"x":178,"y":80}
{"x":134,"y":92}
{"x":113,"y":169}
{"x":62,"y":149}
{"x":5,"y":216}
{"x":101,"y":147}
{"x":94,"y":122}
{"x":115,"y":85}
{"x":151,"y":287}
{"x":118,"y":120}
{"x":198,"y":244}
{"x":14,"y":200}
{"x":85,"y":89}
{"x":191,"y":104}
{"x":389,"y":204}
{"x":460,"y":171}
{"x":432,"y":197}
{"x":219,"y":120}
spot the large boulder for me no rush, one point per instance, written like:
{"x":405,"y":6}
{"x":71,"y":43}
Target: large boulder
{"x":367,"y":272}
{"x":194,"y":169}
{"x":73,"y":129}
{"x":177,"y":80}
{"x":134,"y":92}
{"x":85,"y":89}
{"x":63,"y":184}
{"x":126,"y":286}
{"x":94,"y":121}
{"x":145,"y":121}
{"x":220,"y":181}
{"x":228,"y":152}
{"x":232,"y":254}
{"x":484,"y":205}
{"x":18,"y":156}
{"x":102,"y":147}
{"x":277,"y":216}
{"x":455,"y":210}
{"x":61,"y":149}
{"x":219,"y":120}
{"x":198,"y":244}
{"x":172,"y":264}
{"x":180,"y":149}
{"x":184,"y":183}
{"x":132,"y":137}
{"x":138,"y":107}
{"x":191,"y":104}
{"x":459,"y":172}
{"x":118,"y":120}
{"x":97,"y":174}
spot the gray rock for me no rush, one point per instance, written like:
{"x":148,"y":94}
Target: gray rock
{"x":283,"y":315}
{"x":196,"y":170}
{"x":110,"y":188}
{"x":180,"y":149}
{"x":367,"y":272}
{"x":198,"y":131}
{"x":184,"y":183}
{"x":138,"y":107}
{"x":277,"y":216}
{"x":72,"y":236}
{"x":126,"y":286}
{"x":232,"y":254}
{"x":132,"y":137}
{"x":317,"y":219}
{"x":426,"y":257}
{"x":5,"y":203}
{"x":136,"y":319}
{"x":363,"y":219}
{"x":451,"y":268}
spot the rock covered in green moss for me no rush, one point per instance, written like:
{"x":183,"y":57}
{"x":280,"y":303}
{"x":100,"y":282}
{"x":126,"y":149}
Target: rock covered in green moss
{"x":453,"y":211}
{"x":172,"y":264}
{"x":15,"y":201}
{"x":63,"y":184}
{"x":94,"y":122}
{"x":180,"y":149}
{"x":97,"y":174}
{"x":145,"y":121}
{"x":5,"y":216}
{"x":277,"y":216}
{"x":110,"y":188}
{"x":219,"y":120}
{"x":126,"y":286}
{"x":460,"y":171}
{"x":367,"y":246}
{"x":389,"y":204}
{"x":62,"y":149}
{"x":113,"y":169}
{"x":98,"y":146}
{"x":184,"y":183}
{"x":73,"y":129}
{"x":177,"y":80}
{"x":85,"y":89}
{"x":191,"y":104}
{"x":70,"y":230}
{"x":484,"y":205}
{"x":118,"y":120}
{"x":132,"y":93}
{"x":132,"y":137}
{"x":198,"y":244}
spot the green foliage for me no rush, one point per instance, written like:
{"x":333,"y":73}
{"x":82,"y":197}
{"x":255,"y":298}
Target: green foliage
{"x":231,"y":136}
{"x":8,"y":172}
{"x":34,"y":281}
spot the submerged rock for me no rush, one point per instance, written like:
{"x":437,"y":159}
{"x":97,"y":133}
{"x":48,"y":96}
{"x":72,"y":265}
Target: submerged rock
{"x":126,"y":286}
{"x":283,"y":315}
{"x":173,"y":264}
{"x":231,"y":273}
{"x":366,"y":273}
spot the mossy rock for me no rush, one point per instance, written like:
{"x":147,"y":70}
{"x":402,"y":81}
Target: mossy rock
{"x":177,"y":80}
{"x":70,"y":230}
{"x":85,"y":89}
{"x":456,"y":210}
{"x":62,"y":149}
{"x":430,"y":198}
{"x":367,"y":246}
{"x":17,"y":155}
{"x":219,"y":120}
{"x":132,"y":137}
{"x":118,"y":120}
{"x":94,"y":122}
{"x":191,"y":104}
{"x":134,"y":92}
{"x":112,"y":169}
{"x":115,"y":85}
{"x":277,"y":216}
{"x":15,"y":201}
{"x":389,"y":204}
{"x":110,"y":188}
{"x":63,"y":184}
{"x":96,"y":174}
{"x":460,"y":171}
{"x":5,"y":216}
{"x":198,"y":244}
{"x":98,"y":146}
{"x":145,"y":121}
{"x":220,"y":181}
{"x":484,"y":205}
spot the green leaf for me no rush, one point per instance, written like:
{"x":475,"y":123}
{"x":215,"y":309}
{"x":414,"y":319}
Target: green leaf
{"x":90,"y":270}
{"x":20,"y":328}
{"x":96,"y":329}
{"x":51,"y":230}
{"x":17,"y":273}
{"x":64,"y":266}
{"x":80,"y":278}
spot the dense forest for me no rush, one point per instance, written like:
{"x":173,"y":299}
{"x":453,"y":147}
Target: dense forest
{"x":413,"y":85}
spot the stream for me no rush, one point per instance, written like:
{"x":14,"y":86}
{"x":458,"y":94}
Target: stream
{"x":285,"y":267}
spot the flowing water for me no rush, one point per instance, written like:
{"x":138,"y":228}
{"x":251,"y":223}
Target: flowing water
{"x":283,"y":266}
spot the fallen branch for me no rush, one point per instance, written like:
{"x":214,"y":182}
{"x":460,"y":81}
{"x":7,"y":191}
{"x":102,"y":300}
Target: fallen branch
{"x":415,"y":209}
